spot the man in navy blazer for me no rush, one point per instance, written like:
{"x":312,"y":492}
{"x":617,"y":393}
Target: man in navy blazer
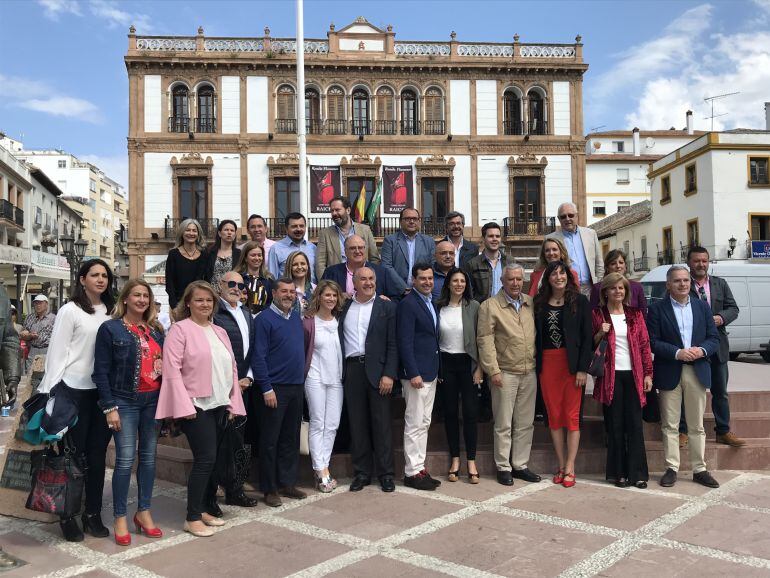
{"x":417,"y":330}
{"x":403,"y":250}
{"x":682,"y":336}
{"x":388,"y":283}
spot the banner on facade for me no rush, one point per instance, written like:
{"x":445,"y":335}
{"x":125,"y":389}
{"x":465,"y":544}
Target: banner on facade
{"x":397,"y":189}
{"x":760,"y":249}
{"x":324,"y":186}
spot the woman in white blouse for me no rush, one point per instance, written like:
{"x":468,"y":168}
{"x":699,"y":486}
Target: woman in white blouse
{"x":323,"y":377}
{"x":69,"y":364}
{"x":460,"y":374}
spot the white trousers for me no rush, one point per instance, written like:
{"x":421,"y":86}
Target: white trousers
{"x":419,"y":406}
{"x":324,"y":402}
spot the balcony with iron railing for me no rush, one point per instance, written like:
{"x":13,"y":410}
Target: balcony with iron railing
{"x":314,"y":126}
{"x":537,"y":127}
{"x":336,"y":126}
{"x":359,"y":126}
{"x":286,"y":125}
{"x":513,"y":127}
{"x":11,"y":213}
{"x":385,"y":127}
{"x":171,"y":226}
{"x":179,"y":124}
{"x":206,"y":124}
{"x":641,"y":263}
{"x":381,"y":227}
{"x":410,"y":127}
{"x":666,"y":257}
{"x":530,"y":227}
{"x":434,"y":127}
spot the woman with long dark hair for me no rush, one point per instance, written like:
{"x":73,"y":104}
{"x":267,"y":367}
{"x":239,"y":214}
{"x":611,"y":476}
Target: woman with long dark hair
{"x":69,"y":365}
{"x":127,"y":373}
{"x":563,"y":354}
{"x":185,"y":261}
{"x":259,"y":282}
{"x":222,"y":255}
{"x":460,"y":374}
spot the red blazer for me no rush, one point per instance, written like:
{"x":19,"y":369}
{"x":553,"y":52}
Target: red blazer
{"x":534,"y":280}
{"x":639,"y":346}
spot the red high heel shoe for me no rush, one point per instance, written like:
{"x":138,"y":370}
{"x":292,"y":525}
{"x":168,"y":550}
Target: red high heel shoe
{"x":123,"y":540}
{"x":149,"y":532}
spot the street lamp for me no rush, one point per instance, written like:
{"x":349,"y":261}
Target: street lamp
{"x":74,"y":251}
{"x":732,"y":242}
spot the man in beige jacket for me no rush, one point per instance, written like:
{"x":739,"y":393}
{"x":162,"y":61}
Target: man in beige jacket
{"x":506,"y":340}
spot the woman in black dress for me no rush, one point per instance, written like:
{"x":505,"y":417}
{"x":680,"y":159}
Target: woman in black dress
{"x":185,"y":261}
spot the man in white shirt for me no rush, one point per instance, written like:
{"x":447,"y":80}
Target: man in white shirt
{"x":367,"y":329}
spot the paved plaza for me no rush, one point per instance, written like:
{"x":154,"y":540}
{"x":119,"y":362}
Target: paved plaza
{"x":593,"y":529}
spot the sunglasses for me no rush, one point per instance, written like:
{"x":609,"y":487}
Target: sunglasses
{"x":567,"y":216}
{"x":234,"y":284}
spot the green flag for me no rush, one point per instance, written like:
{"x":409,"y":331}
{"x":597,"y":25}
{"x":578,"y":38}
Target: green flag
{"x":371,"y":213}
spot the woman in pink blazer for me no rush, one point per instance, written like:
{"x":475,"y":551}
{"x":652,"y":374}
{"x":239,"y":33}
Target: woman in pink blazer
{"x":200,"y":388}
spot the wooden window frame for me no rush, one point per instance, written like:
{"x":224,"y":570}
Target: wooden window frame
{"x":423,"y":211}
{"x":689,"y":192}
{"x":526,"y":165}
{"x":750,"y":184}
{"x":691,"y":242}
{"x":664,"y":200}
{"x":192,"y":165}
{"x":670,"y":248}
{"x":435,"y":166}
{"x":284,"y":167}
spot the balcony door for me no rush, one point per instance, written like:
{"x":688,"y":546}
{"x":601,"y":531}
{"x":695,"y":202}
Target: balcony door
{"x":193,"y":203}
{"x":526,"y":199}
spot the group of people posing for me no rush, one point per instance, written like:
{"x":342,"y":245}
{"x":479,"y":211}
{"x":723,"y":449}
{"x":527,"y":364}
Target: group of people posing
{"x":261,"y":330}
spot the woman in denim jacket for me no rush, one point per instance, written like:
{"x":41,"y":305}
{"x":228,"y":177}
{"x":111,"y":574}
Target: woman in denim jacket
{"x":127,"y":373}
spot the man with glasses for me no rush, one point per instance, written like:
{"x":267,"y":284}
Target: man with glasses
{"x":582,"y":245}
{"x":388,"y":283}
{"x":331,"y":240}
{"x":454,"y":224}
{"x":403,"y":250}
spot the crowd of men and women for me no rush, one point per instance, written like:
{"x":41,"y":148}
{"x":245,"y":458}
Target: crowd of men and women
{"x":262,"y":329}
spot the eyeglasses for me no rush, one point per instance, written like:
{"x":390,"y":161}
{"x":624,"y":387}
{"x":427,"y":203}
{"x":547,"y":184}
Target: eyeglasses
{"x":567,"y":216}
{"x":234,"y":284}
{"x":410,"y":218}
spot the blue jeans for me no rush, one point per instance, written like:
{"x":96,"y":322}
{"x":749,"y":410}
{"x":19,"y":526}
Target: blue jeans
{"x":137,"y":416}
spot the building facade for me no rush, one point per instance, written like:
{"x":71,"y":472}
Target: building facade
{"x":491,"y":130}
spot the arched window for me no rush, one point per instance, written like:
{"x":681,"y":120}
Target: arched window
{"x":312,"y":111}
{"x":512,"y":121}
{"x":286,"y":117}
{"x":386,"y":114}
{"x":410,"y":118}
{"x":537,"y":123}
{"x":206,"y":121}
{"x":179,"y":121}
{"x":434,"y":112}
{"x":360,"y":112}
{"x":335,"y":110}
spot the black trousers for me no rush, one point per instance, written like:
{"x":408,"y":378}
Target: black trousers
{"x":279,"y":439}
{"x":204,"y":434}
{"x":91,"y":436}
{"x":370,"y":423}
{"x":457,"y":381}
{"x":626,"y":457}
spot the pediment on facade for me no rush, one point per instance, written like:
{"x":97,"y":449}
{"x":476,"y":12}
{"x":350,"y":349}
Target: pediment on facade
{"x":526,"y":165}
{"x":527,"y":159}
{"x":360,"y":26}
{"x":436,"y":161}
{"x":192,"y":159}
{"x":284,"y":159}
{"x":360,"y":159}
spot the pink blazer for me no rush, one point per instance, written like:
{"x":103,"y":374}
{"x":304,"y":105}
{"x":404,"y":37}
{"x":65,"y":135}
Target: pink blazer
{"x":187,"y":371}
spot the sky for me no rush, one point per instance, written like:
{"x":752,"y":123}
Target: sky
{"x":63,"y":83}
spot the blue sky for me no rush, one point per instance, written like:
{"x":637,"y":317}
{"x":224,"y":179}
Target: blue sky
{"x":63,"y":83}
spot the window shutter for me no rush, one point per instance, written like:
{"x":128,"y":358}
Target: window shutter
{"x":336,"y":104}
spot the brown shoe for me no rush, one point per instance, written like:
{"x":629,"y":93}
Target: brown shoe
{"x":684,"y":441}
{"x":273,"y":500}
{"x":292,"y":492}
{"x":730,"y":439}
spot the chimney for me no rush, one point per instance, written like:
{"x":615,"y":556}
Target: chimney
{"x":689,"y":122}
{"x":637,"y":152}
{"x":767,"y":116}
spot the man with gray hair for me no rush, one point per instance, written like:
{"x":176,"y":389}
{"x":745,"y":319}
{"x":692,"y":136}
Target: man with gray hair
{"x":682,"y":337}
{"x":506,"y":340}
{"x":454,"y":224}
{"x":582,"y":244}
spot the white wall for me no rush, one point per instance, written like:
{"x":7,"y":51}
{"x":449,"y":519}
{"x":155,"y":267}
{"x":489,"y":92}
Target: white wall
{"x":158,"y":189}
{"x":493,"y":188}
{"x":486,"y":107}
{"x":462,"y":188}
{"x":256,"y":104}
{"x":369,"y":45}
{"x":561,"y":114}
{"x":460,"y":95}
{"x":226,"y":187}
{"x":558,"y":183}
{"x":152,"y":103}
{"x":259,"y":185}
{"x":231,"y":104}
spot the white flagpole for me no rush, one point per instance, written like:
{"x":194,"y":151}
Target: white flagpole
{"x":301,"y":139}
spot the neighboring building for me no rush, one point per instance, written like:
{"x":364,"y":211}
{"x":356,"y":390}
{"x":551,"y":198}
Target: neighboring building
{"x":490,"y":129}
{"x":711,"y":192}
{"x":15,"y":189}
{"x":617,"y":163}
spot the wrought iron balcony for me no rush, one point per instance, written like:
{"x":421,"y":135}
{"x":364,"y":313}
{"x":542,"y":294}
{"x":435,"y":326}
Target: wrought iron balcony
{"x":286,"y":125}
{"x":537,"y":126}
{"x":360,"y":126}
{"x":336,"y":126}
{"x":205,"y":124}
{"x":513,"y":127}
{"x":666,"y":257}
{"x":385,"y":126}
{"x":179,"y":124}
{"x":410,"y":127}
{"x":434,"y":127}
{"x":314,"y":126}
{"x":171,"y":226}
{"x":641,"y":264}
{"x":531,"y":227}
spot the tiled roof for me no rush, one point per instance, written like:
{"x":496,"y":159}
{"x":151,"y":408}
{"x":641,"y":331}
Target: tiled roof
{"x":633,"y":214}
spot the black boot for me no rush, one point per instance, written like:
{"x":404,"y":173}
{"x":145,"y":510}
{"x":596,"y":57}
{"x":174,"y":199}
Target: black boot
{"x":71,"y":530}
{"x":92,"y":523}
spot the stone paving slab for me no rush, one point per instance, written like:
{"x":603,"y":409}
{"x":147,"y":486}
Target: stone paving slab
{"x":593,"y":529}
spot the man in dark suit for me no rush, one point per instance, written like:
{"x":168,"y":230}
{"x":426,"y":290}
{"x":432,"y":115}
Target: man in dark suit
{"x":716,"y":292}
{"x":367,"y":329}
{"x":418,"y":351}
{"x":454,"y":224}
{"x":236,"y":320}
{"x":388,"y":283}
{"x":682,"y":336}
{"x":403,"y":250}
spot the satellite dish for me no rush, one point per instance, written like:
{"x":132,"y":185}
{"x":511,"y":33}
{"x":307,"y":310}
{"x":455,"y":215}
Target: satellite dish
{"x":650,"y":142}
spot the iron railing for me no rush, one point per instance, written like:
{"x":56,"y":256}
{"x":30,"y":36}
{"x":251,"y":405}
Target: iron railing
{"x":18,"y":216}
{"x":179,"y":124}
{"x":531,"y":227}
{"x":641,"y":264}
{"x":385,"y":126}
{"x":336,"y":126}
{"x":434,"y":127}
{"x":537,"y":126}
{"x":314,"y":126}
{"x":666,"y":257}
{"x":205,"y":124}
{"x":513,"y":127}
{"x":410,"y":127}
{"x":286,"y":125}
{"x":360,"y":126}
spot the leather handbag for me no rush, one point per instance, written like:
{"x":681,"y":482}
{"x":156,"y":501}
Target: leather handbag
{"x":596,"y":368}
{"x":304,"y":438}
{"x":58,"y":479}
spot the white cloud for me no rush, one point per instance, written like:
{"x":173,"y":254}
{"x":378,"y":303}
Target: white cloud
{"x":107,"y":10}
{"x":65,"y":106}
{"x":661,"y":79}
{"x":115,"y":167}
{"x":52,"y":9}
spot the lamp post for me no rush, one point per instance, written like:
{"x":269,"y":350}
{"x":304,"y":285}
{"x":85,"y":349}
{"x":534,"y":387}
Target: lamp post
{"x":732,"y":242}
{"x":74,"y":251}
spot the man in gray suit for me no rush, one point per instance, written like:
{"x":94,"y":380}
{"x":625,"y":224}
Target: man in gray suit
{"x":403,"y":250}
{"x":331,"y":240}
{"x":582,"y":245}
{"x":716,"y":292}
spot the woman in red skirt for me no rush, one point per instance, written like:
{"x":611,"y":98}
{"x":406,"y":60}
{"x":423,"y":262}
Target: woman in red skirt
{"x":564,"y":350}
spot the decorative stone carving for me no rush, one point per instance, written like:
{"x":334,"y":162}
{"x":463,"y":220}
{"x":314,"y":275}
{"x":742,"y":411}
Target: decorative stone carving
{"x":491,"y":50}
{"x":287,"y":165}
{"x":526,"y":165}
{"x":422,"y":49}
{"x":233,"y":45}
{"x":360,"y":165}
{"x":166,"y":44}
{"x":192,"y":164}
{"x":548,"y":52}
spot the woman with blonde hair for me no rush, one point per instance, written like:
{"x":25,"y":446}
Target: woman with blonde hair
{"x":551,"y":250}
{"x":298,"y":268}
{"x":132,"y":339}
{"x":185,"y":261}
{"x":200,"y":388}
{"x":259,"y":282}
{"x":323,"y":377}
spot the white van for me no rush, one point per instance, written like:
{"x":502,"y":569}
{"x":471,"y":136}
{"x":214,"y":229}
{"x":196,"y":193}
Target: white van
{"x":750,"y":284}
